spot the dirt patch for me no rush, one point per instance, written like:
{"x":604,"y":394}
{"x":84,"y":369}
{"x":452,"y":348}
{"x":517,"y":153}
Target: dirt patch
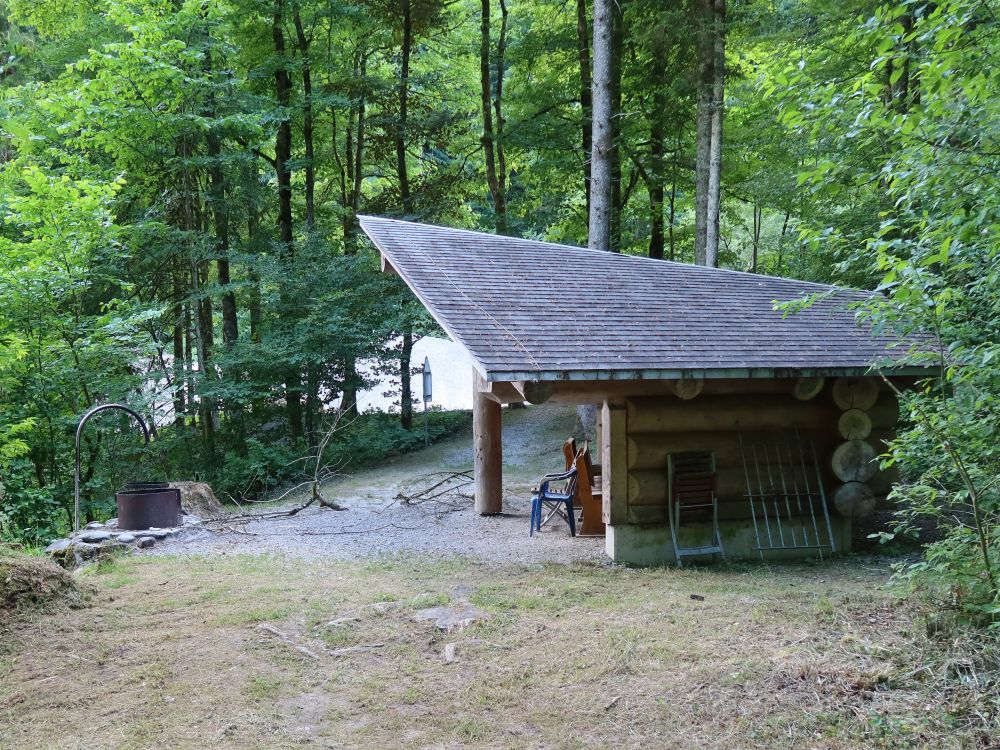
{"x":27,"y":582}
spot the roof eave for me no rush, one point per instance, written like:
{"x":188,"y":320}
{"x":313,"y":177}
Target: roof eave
{"x":734,"y":373}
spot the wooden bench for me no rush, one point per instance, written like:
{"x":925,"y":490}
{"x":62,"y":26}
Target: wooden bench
{"x":588,"y":498}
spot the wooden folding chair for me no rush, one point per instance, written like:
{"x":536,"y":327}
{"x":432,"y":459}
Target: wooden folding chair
{"x":691,"y":488}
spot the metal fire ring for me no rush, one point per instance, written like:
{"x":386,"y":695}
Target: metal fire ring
{"x":79,"y":430}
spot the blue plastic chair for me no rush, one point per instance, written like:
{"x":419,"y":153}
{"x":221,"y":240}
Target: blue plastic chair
{"x":558,"y":501}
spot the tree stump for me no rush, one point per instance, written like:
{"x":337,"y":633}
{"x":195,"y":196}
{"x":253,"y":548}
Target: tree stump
{"x":854,"y":461}
{"x":854,"y":500}
{"x":855,"y":393}
{"x":854,"y":424}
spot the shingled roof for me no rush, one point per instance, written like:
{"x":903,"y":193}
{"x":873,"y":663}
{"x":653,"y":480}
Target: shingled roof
{"x":529,"y":310}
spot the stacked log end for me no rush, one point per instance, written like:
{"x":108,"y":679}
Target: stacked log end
{"x":854,"y":462}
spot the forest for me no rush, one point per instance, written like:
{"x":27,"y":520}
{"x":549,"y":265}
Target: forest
{"x":180,"y":181}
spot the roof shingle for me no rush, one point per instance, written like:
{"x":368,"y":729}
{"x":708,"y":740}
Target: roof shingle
{"x":529,"y":310}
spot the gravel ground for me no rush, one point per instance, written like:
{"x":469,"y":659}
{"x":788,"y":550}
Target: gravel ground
{"x":376,"y":524}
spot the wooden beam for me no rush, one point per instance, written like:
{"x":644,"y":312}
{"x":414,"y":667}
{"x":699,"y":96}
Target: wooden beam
{"x":387,"y":266}
{"x":488,"y":449}
{"x":614,"y":462}
{"x":504,"y":393}
{"x":728,"y":414}
{"x":597,"y":391}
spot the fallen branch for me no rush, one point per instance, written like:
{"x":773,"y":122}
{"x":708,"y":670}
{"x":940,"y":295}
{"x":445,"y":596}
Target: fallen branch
{"x":442,"y":496}
{"x":347,"y":650}
{"x":287,"y":640}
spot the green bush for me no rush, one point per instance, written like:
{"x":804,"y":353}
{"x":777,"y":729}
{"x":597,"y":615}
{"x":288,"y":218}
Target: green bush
{"x":29,"y":514}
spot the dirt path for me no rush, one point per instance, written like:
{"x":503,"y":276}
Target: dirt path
{"x":377,"y":524}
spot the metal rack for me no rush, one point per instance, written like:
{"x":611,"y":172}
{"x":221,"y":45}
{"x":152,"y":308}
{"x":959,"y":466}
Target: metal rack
{"x":785,"y":492}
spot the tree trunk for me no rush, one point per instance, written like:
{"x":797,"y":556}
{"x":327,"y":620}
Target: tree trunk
{"x":657,"y":167}
{"x":617,"y":201}
{"x":500,"y":201}
{"x":672,"y":214}
{"x":180,"y":376}
{"x":307,"y":124}
{"x":220,"y":213}
{"x":254,"y":304}
{"x":406,"y":394}
{"x":354,"y":141}
{"x":282,"y":155}
{"x":714,"y":202}
{"x":703,"y":123}
{"x":492,"y":145}
{"x":586,"y":99}
{"x":599,"y":226}
{"x":312,"y":405}
{"x":189,"y":379}
{"x":758,"y":218}
{"x":403,"y":91}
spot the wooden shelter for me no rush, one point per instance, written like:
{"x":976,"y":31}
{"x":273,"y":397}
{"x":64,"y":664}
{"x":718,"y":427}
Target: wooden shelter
{"x":679,"y":358}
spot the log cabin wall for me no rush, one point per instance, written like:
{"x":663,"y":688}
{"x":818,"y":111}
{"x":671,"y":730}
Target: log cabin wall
{"x":761,"y":412}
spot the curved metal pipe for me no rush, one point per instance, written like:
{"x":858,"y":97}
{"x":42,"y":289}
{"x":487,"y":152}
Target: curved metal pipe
{"x":79,"y":430}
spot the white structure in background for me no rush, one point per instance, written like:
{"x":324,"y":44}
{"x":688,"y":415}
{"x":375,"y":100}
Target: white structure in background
{"x":451,"y":366}
{"x":452,"y":379}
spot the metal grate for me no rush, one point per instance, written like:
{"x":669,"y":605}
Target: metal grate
{"x":785,"y":492}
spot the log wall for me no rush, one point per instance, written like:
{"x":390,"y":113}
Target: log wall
{"x":657,"y":425}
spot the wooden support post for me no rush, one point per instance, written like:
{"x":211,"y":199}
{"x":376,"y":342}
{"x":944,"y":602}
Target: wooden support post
{"x":614,"y":461}
{"x":488,"y":449}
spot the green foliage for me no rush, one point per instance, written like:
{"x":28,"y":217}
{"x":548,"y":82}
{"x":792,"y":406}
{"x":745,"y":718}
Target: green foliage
{"x":28,"y":514}
{"x":911,"y":148}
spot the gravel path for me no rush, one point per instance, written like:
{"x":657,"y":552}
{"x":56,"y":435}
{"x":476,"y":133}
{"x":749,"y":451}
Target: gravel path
{"x":377,"y":524}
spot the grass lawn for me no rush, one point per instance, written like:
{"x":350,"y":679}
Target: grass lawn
{"x":256,"y":652}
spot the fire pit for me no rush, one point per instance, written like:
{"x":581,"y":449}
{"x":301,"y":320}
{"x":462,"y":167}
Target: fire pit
{"x":146,"y":505}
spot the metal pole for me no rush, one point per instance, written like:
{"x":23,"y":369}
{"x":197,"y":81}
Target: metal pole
{"x":79,"y":430}
{"x":427,"y":439}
